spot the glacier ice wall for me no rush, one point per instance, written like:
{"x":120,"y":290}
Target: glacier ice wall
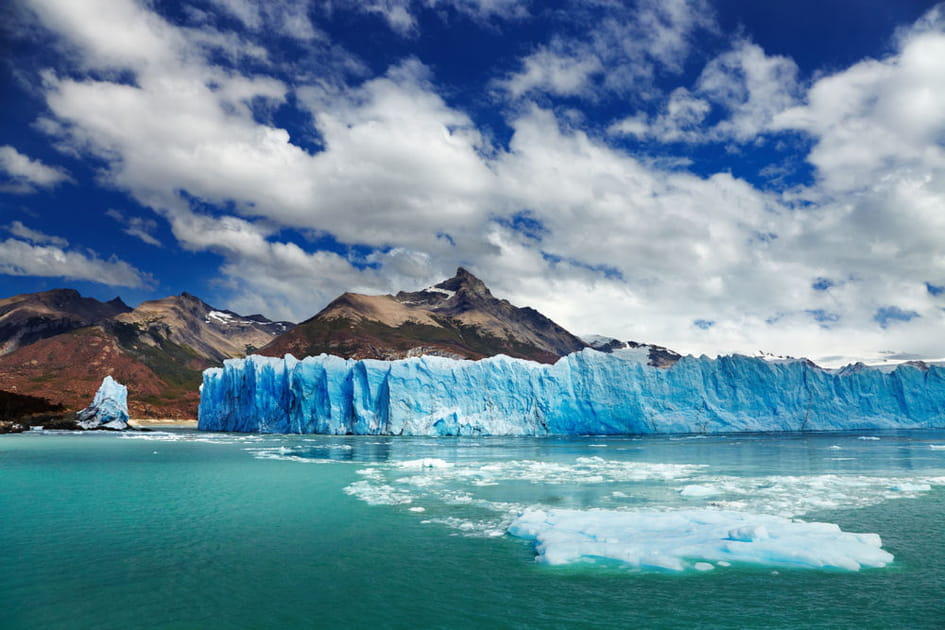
{"x":109,"y":408}
{"x":587,"y":392}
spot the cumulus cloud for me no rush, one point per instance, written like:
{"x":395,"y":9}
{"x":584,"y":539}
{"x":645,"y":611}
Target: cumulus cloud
{"x":620,"y":50}
{"x":35,"y":236}
{"x":24,"y":175}
{"x":681,"y":120}
{"x":22,"y":258}
{"x":752,"y":88}
{"x":140,"y":227}
{"x":879,"y":117}
{"x":287,"y":17}
{"x":745,"y":86}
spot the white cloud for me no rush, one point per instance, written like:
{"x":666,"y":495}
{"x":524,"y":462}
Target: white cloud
{"x":747,"y":87}
{"x":681,"y":120}
{"x":751,"y":86}
{"x":24,"y":175}
{"x":879,"y":118}
{"x":286,"y":17}
{"x":34,"y":236}
{"x":554,"y":70}
{"x":402,"y":15}
{"x":618,"y":54}
{"x":20,"y":258}
{"x":139,"y":227}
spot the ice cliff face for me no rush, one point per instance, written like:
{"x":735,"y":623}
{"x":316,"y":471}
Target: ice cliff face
{"x":587,"y":392}
{"x":109,"y":408}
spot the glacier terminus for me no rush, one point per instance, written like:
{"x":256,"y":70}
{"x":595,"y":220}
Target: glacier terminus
{"x":584,"y":393}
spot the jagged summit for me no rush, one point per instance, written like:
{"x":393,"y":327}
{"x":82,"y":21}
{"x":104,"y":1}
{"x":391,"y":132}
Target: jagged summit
{"x":657,"y":356}
{"x":458,"y":317}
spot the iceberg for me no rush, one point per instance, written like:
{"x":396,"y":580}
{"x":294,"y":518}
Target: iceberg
{"x":695,"y":540}
{"x":584,"y":393}
{"x":109,"y":408}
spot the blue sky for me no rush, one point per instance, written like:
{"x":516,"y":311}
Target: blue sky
{"x":711,"y":176}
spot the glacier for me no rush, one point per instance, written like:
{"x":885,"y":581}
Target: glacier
{"x":584,"y":393}
{"x":109,"y":408}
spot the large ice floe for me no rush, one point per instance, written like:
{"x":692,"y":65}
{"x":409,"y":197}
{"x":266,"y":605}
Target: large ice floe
{"x":109,"y":408}
{"x":700,"y":540}
{"x":587,"y":392}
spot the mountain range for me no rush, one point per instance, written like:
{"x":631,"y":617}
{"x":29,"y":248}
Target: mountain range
{"x":59,"y":345}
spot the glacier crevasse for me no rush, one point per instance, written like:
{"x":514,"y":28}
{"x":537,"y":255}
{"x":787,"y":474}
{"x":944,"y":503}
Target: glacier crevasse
{"x":584,"y":393}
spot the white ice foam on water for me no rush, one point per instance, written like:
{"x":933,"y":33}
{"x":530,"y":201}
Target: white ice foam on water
{"x":378,"y":494}
{"x":910,"y":487}
{"x":426,"y":462}
{"x":871,"y":438}
{"x":937,"y":447}
{"x":188,"y":436}
{"x":472,"y":490}
{"x":789,"y":496}
{"x":690,"y":539}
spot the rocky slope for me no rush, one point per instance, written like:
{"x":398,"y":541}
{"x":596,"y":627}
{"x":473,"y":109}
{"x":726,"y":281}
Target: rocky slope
{"x":457,"y":318}
{"x":27,"y":318}
{"x":191,"y":323}
{"x":158,"y":349}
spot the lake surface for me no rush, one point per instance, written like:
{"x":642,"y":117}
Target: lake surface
{"x":180,"y":529}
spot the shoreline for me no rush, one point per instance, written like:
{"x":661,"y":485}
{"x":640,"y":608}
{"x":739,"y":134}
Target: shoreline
{"x":180,"y":423}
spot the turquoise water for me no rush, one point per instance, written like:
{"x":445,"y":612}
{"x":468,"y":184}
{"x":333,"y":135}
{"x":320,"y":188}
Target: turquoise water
{"x":179,"y":529}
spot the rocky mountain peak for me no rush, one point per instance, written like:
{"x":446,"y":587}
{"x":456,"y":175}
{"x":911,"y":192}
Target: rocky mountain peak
{"x":458,"y":317}
{"x":467,"y":284}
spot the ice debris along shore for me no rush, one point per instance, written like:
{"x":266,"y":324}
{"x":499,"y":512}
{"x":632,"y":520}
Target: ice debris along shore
{"x":584,"y":393}
{"x":109,"y":408}
{"x":695,"y":539}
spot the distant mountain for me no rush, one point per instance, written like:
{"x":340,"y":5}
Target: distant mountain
{"x":158,"y":350}
{"x":657,"y":356}
{"x":457,"y":318}
{"x":191,"y":323}
{"x":27,"y":318}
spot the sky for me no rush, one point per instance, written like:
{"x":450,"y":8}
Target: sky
{"x":715,"y":177}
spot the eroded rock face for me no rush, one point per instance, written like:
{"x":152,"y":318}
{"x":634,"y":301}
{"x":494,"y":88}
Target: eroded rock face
{"x":109,"y":408}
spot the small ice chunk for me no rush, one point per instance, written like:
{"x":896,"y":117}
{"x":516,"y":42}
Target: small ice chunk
{"x":868,"y":437}
{"x":703,"y":566}
{"x":417,"y":509}
{"x":699,"y":490}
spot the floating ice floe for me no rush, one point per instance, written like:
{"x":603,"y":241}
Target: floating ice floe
{"x":694,"y":539}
